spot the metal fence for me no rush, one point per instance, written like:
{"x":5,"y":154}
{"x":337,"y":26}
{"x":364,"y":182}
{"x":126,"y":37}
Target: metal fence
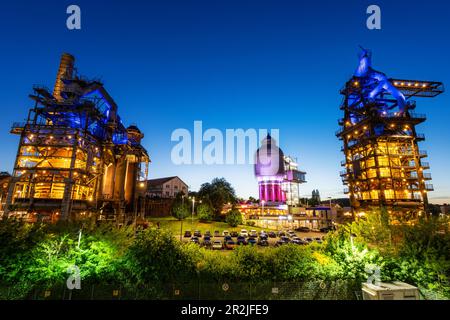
{"x":199,"y":290}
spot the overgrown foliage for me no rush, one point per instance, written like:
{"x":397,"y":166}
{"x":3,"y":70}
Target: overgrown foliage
{"x":38,"y":256}
{"x":217,"y":193}
{"x":204,"y":212}
{"x":234,"y":217}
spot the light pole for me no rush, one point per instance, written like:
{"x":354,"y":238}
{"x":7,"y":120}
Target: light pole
{"x":330,"y":211}
{"x":193,"y":209}
{"x":192,"y":215}
{"x":141,"y":186}
{"x":181,"y":230}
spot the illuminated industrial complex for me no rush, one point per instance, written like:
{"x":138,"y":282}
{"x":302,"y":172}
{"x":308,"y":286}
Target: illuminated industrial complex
{"x":75,"y":156}
{"x":384,"y":166}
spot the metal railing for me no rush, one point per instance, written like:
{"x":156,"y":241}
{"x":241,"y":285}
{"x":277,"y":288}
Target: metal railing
{"x":197,"y":289}
{"x":420,"y":136}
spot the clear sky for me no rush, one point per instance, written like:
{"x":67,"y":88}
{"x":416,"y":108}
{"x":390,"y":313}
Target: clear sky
{"x":231,"y":64}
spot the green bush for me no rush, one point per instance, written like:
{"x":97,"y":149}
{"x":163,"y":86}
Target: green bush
{"x":204,"y":212}
{"x":234,"y":218}
{"x":180,"y":210}
{"x":38,"y":256}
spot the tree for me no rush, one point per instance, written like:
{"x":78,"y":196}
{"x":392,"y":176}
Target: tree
{"x":218,"y":193}
{"x":253,"y":200}
{"x":180,"y":211}
{"x":204,"y":212}
{"x":234,"y":217}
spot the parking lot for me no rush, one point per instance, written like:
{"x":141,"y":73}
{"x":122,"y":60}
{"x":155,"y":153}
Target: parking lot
{"x":223,"y":240}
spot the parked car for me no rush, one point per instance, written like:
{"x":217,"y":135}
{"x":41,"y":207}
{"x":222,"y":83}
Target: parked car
{"x":280,"y":243}
{"x":187,"y":234}
{"x":230,"y":245}
{"x":318,"y":240}
{"x":281,"y":234}
{"x":225,"y":233}
{"x":298,"y":241}
{"x":227,"y":238}
{"x":197,"y":233}
{"x":253,"y":233}
{"x":272,"y":234}
{"x":216,"y":233}
{"x":244,"y":233}
{"x":252,"y":241}
{"x":263,"y":236}
{"x":303,"y":229}
{"x":326,"y":229}
{"x":285,"y":239}
{"x":262,"y":232}
{"x":291,"y":234}
{"x":217,"y":245}
{"x":234,"y":234}
{"x":309,"y":240}
{"x":263,"y":242}
{"x":208,"y":233}
{"x":195,"y":240}
{"x":241,"y":240}
{"x":207,"y":241}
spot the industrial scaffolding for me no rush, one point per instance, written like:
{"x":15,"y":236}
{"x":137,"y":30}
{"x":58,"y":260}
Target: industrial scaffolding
{"x":75,"y":157}
{"x":384,"y":166}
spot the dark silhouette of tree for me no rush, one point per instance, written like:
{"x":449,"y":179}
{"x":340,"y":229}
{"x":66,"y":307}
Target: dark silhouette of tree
{"x":217,"y":193}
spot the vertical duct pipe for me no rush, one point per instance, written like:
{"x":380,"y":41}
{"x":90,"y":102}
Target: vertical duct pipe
{"x":65,"y":71}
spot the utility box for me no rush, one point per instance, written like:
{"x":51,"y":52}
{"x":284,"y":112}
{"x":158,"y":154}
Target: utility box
{"x":390,"y":291}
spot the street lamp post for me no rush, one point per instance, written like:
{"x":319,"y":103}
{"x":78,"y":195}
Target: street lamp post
{"x":192,"y":215}
{"x":181,"y":230}
{"x":141,"y":185}
{"x":330,"y":211}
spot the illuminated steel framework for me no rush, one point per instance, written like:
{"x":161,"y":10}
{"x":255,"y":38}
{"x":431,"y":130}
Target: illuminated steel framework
{"x":383,"y":163}
{"x":74,"y":153}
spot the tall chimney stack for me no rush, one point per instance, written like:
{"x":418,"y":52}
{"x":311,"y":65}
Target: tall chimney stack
{"x":65,"y":71}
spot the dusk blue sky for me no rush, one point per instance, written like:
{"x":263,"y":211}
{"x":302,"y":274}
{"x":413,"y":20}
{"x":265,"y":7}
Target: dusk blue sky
{"x":231,"y":64}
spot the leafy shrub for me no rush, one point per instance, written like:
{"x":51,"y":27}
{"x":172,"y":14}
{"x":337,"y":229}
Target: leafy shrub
{"x":204,"y":212}
{"x":234,"y":218}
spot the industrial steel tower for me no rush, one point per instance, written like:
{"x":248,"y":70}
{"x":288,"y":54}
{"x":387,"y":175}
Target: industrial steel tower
{"x":384,"y":166}
{"x":75,"y":156}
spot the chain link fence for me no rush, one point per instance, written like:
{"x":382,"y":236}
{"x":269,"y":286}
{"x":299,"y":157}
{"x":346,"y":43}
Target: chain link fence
{"x":199,"y":290}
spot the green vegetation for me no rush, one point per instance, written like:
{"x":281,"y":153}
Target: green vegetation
{"x":173,"y":225}
{"x":180,"y":210}
{"x":217,"y":193}
{"x":38,"y":256}
{"x":233,"y":217}
{"x":205,"y":212}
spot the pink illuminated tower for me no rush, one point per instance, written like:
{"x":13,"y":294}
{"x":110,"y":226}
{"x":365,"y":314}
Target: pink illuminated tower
{"x":270,"y":172}
{"x":278,"y":175}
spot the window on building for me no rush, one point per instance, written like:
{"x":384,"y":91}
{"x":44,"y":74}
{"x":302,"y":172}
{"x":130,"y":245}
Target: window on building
{"x":389,"y":194}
